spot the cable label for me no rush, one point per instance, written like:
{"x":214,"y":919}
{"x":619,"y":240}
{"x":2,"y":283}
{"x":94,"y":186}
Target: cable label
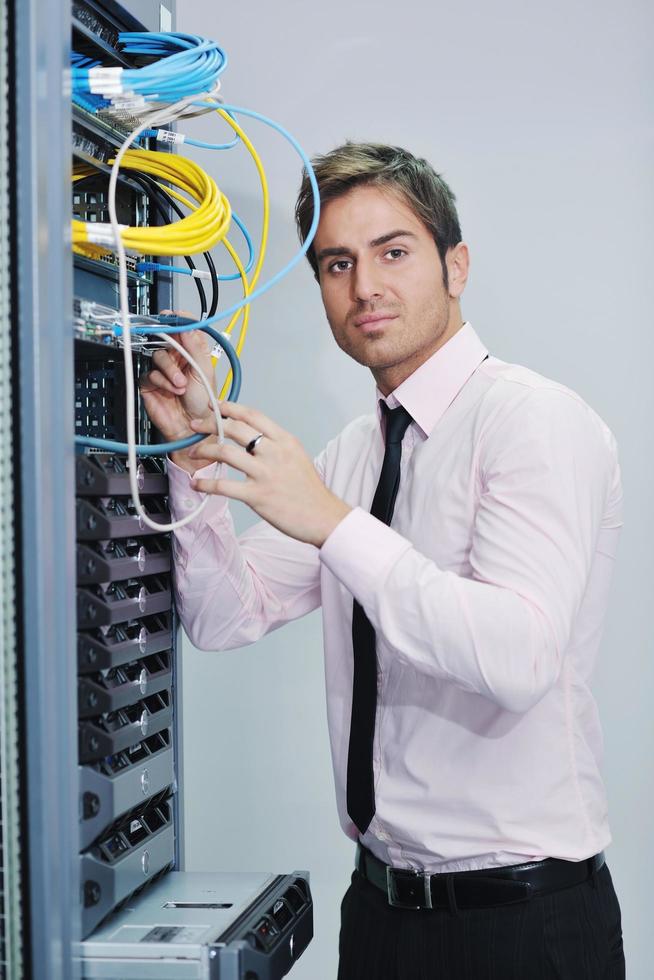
{"x":133,"y":102}
{"x":167,"y":136}
{"x":100,"y":233}
{"x":105,"y":81}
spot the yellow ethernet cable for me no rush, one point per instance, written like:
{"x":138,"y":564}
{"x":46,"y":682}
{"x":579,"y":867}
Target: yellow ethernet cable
{"x":264,"y":236}
{"x":264,"y":191}
{"x":198,"y":232}
{"x":247,"y":287}
{"x":207,"y":224}
{"x":262,"y":244}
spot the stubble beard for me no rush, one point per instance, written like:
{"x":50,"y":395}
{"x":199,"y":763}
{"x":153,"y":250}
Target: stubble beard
{"x":377,"y":354}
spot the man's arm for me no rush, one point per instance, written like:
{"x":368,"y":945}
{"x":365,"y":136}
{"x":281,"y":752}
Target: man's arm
{"x":232,"y":590}
{"x":228,"y":592}
{"x":551,"y":500}
{"x":550,"y":503}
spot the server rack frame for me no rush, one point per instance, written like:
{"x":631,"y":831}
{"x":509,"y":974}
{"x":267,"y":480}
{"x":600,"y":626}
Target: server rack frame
{"x":46,"y":482}
{"x":46,"y":488}
{"x":11,"y":905}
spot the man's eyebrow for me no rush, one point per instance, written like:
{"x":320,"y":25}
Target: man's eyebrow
{"x":344,"y":250}
{"x":398,"y":233}
{"x":336,"y":250}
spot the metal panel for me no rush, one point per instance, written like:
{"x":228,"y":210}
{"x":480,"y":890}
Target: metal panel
{"x":11,"y":958}
{"x":156,"y":15}
{"x":106,"y":797}
{"x":139,"y":14}
{"x":47,"y":488}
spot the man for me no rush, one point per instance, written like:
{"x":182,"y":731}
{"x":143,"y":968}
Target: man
{"x":459,"y":642}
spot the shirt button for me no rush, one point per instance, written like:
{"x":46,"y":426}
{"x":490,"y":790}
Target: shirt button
{"x":188,"y":503}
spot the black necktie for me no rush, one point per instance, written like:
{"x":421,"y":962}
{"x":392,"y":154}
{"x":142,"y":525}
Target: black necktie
{"x":360,"y":784}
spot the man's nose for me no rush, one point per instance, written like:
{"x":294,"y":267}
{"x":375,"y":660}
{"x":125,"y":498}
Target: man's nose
{"x":367,"y":282}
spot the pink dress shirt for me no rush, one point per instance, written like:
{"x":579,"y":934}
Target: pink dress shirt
{"x":487,"y":594}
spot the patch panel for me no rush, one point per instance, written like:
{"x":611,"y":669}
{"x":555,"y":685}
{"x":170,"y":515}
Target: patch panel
{"x":100,"y":391}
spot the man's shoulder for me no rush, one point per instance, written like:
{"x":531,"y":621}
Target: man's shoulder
{"x":513,"y":382}
{"x":515,"y":392}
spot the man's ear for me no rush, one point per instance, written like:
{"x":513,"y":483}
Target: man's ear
{"x":457,"y":261}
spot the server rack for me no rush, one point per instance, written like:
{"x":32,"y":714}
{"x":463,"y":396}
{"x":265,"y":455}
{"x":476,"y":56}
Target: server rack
{"x":92,"y":676}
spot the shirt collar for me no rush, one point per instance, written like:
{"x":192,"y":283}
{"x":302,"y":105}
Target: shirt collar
{"x":428,"y":392}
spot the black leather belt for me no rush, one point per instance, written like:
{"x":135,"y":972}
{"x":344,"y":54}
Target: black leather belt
{"x":406,"y":889}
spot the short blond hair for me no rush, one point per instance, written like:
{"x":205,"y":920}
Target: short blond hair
{"x":375,"y":164}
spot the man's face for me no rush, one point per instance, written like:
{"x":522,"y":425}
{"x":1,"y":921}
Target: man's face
{"x":382,"y":283}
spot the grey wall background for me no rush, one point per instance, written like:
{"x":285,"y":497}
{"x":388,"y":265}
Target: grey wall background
{"x":539,"y":115}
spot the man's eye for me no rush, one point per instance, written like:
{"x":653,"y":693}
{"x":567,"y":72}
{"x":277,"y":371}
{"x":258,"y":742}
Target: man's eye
{"x":395,"y":253}
{"x":341,"y":266}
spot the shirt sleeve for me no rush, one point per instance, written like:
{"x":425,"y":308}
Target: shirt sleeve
{"x":550,"y":501}
{"x":230,"y":590}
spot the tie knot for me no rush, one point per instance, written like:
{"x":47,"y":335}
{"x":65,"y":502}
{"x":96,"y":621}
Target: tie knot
{"x":397,"y":422}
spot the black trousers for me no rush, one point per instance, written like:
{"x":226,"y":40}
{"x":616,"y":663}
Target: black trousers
{"x":573,"y":934}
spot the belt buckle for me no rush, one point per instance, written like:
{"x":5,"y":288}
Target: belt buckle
{"x":393,"y":875}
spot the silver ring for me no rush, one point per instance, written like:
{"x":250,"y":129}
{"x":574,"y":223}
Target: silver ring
{"x":253,"y":443}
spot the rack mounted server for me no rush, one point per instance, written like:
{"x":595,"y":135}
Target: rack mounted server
{"x":91,"y":843}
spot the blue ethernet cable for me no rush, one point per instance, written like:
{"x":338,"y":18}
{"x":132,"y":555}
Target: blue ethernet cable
{"x":158,"y":267}
{"x":178,"y":270}
{"x":248,"y":242}
{"x":158,"y":449}
{"x":289,"y":265}
{"x":212,"y":146}
{"x":187,"y":65}
{"x":86,"y":100}
{"x":154,"y":134}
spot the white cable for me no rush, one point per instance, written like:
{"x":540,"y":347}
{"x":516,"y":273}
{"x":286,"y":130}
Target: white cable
{"x":130,"y":110}
{"x":167,"y":115}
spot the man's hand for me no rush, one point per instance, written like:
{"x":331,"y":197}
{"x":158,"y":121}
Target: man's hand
{"x":281,"y":485}
{"x":173,"y":393}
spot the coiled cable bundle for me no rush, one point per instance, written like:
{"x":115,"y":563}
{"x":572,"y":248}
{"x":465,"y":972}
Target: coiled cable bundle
{"x":185,"y":65}
{"x":197,"y":232}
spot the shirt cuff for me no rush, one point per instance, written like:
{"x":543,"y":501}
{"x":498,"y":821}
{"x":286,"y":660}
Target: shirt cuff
{"x":361,"y":551}
{"x":182,"y":498}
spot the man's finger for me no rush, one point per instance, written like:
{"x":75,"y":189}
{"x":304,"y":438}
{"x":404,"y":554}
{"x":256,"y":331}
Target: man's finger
{"x":232,"y":455}
{"x":184,"y":313}
{"x":155,"y":380}
{"x":252,"y":417}
{"x":169,"y":366}
{"x":234,"y":489}
{"x":239,"y":432}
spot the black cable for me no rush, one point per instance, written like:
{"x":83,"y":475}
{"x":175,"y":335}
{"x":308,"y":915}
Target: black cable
{"x":161,"y":201}
{"x":215,"y":292}
{"x":215,"y":289}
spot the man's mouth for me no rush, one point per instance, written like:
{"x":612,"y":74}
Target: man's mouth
{"x":372,"y":321}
